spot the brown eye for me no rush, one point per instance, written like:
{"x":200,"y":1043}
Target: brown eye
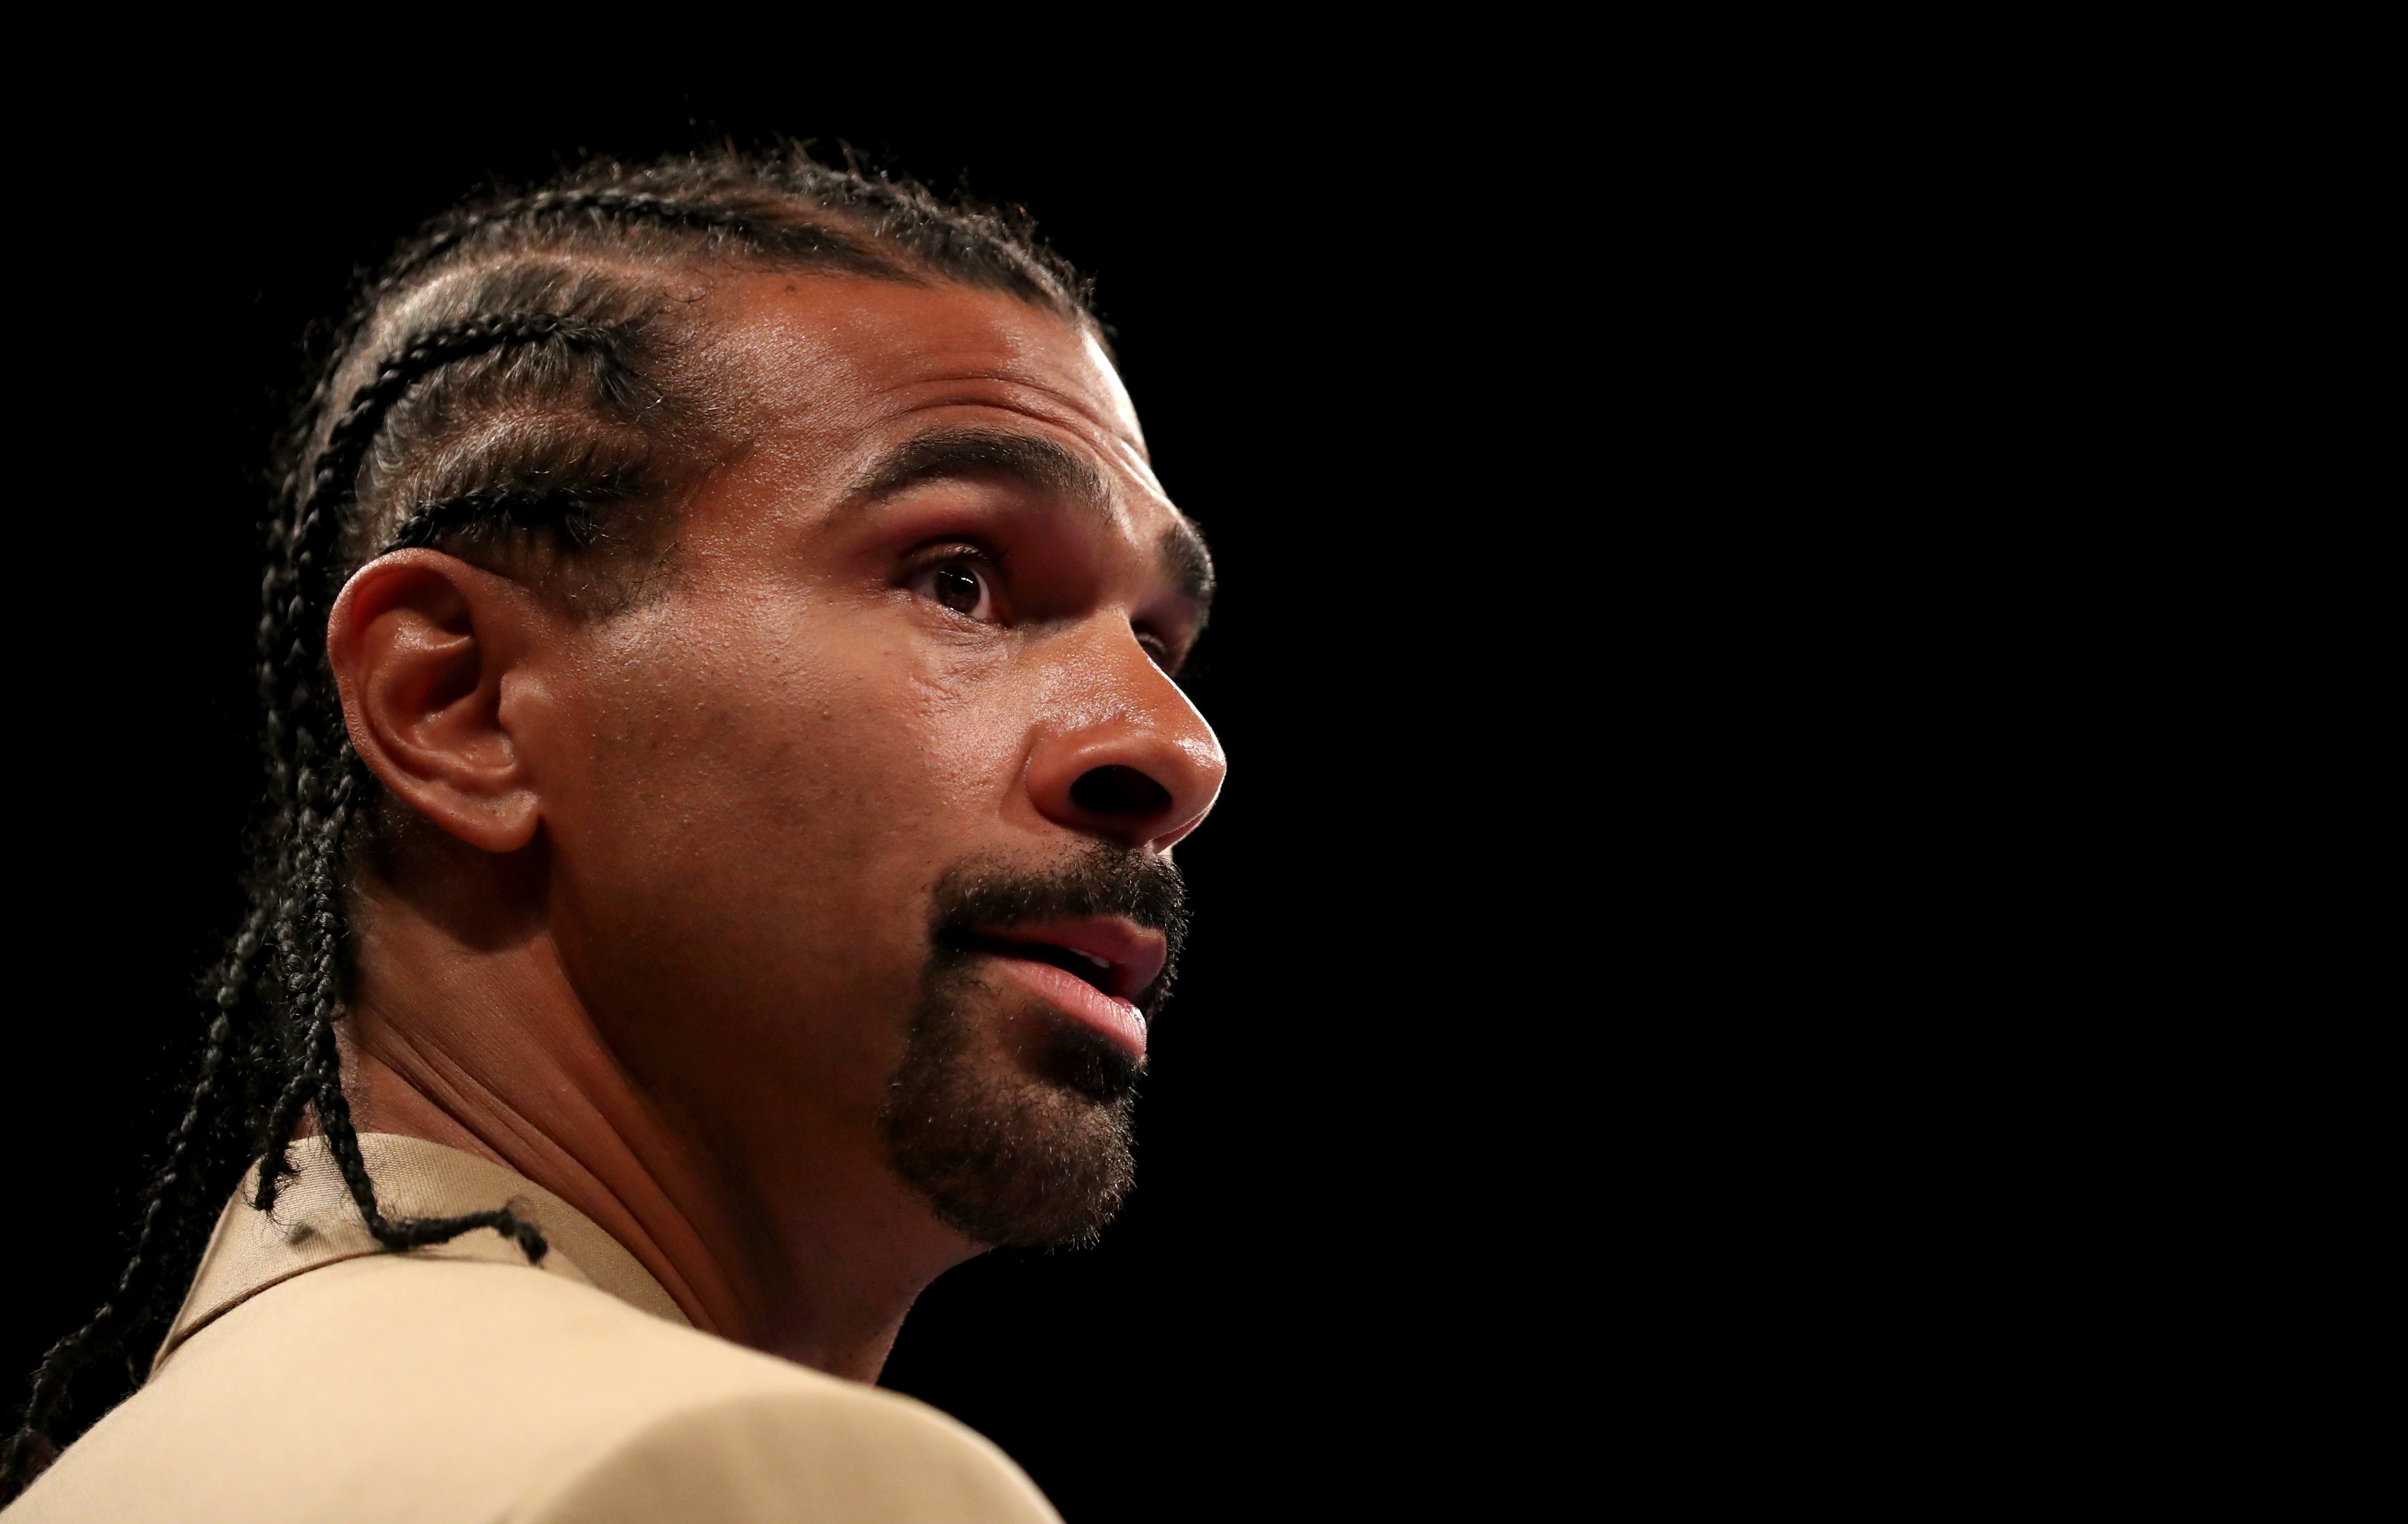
{"x":956,"y":589}
{"x":965,"y":587}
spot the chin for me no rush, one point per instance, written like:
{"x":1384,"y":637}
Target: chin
{"x":1011,"y":1121}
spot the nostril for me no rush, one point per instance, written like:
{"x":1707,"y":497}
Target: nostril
{"x":1118,"y":791}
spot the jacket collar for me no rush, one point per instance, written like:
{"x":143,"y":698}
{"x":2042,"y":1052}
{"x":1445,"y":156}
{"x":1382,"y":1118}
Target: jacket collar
{"x":315,"y":1224}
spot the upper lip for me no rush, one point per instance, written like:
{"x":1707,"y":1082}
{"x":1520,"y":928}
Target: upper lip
{"x":1133,"y":955}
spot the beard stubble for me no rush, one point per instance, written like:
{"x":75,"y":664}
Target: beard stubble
{"x":1011,"y":1121}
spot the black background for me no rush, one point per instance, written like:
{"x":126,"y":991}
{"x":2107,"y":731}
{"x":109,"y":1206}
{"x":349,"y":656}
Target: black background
{"x":1378,"y":1191}
{"x":1744,"y":558}
{"x":1637,"y":1034}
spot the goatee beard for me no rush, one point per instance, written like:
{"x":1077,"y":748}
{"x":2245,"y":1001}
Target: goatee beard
{"x":1033,"y":1150}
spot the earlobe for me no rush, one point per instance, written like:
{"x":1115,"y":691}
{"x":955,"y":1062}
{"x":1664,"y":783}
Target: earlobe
{"x":422,"y":645}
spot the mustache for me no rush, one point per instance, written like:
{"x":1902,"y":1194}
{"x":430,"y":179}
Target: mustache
{"x":987,"y":894}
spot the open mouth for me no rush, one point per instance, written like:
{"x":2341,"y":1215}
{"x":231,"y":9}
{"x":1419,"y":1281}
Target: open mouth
{"x":1111,"y":954}
{"x":1092,"y":970}
{"x":1102,"y":972}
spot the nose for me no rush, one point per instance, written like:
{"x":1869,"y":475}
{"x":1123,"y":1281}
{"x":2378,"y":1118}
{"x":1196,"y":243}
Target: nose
{"x":1127,"y":758}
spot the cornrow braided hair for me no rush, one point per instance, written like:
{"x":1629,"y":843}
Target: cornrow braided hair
{"x":553,"y":304}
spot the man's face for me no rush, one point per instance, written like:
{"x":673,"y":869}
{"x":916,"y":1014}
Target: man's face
{"x":835,"y":815}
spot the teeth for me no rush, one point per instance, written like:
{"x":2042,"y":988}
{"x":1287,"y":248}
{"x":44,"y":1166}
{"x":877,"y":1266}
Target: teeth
{"x":1099,"y":962}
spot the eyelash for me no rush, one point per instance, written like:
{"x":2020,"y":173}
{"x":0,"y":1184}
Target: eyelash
{"x":937,"y":556}
{"x":951,"y":550}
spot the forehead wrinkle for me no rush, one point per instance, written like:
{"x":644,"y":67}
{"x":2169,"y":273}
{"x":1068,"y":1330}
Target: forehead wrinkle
{"x":1129,"y":438}
{"x":1040,"y":461}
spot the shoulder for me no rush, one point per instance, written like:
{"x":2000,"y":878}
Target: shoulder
{"x":794,"y":1455}
{"x":402,"y":1388}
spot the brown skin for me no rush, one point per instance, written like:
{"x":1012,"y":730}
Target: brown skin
{"x":658,"y":946}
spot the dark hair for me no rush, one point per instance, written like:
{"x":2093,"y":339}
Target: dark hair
{"x":547,"y":311}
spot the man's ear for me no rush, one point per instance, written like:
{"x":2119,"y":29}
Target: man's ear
{"x":422,"y":645}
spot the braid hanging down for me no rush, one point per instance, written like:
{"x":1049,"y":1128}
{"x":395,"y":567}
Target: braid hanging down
{"x":552,"y":304}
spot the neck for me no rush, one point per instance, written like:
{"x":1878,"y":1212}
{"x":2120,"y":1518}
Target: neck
{"x":479,"y":1043}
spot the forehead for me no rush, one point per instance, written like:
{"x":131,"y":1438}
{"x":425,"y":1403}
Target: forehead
{"x":834,"y":367}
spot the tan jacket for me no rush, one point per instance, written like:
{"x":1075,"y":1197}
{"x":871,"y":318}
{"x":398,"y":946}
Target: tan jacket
{"x":310,"y":1376}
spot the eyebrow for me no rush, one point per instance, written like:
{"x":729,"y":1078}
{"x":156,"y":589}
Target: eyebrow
{"x":1046,"y":465}
{"x":1190,"y":566}
{"x":964,"y":452}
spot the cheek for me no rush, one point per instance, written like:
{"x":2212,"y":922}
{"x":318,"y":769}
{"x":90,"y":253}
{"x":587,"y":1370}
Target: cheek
{"x":756,"y":747}
{"x":773,"y":788}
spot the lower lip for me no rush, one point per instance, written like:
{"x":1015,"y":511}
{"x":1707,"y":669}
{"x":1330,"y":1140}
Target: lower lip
{"x":1115,"y":1018}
